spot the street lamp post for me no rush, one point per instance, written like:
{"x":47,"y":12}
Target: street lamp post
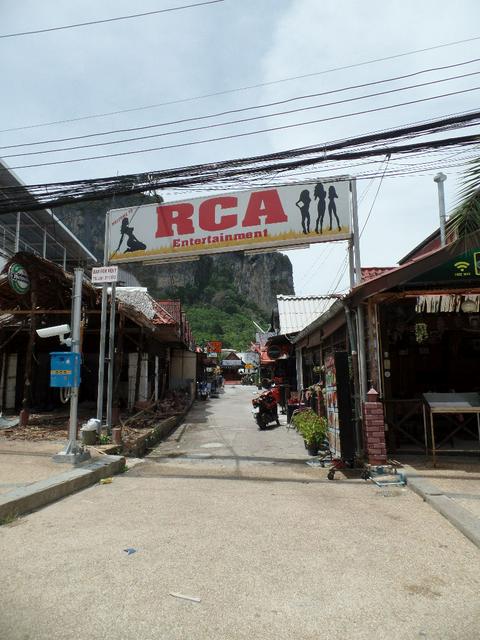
{"x":440,"y":179}
{"x":74,"y":452}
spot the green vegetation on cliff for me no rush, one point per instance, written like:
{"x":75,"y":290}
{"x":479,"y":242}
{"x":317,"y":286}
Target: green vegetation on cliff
{"x":215,"y":309}
{"x":235,"y":330}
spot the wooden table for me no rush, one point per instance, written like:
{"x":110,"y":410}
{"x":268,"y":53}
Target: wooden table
{"x":448,"y":403}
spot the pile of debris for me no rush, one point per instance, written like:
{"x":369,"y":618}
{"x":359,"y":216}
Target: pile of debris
{"x":54,"y":426}
{"x":40,"y":426}
{"x":150,"y":413}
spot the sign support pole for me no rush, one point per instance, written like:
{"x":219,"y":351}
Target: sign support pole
{"x":111,"y":350}
{"x":351,"y":263}
{"x":356,"y":337}
{"x":356,"y":234}
{"x":362,"y":362}
{"x":103,"y":333}
{"x":73,"y":452}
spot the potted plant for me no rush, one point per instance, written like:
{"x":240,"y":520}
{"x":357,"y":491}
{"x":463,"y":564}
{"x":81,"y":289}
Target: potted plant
{"x":312,"y":428}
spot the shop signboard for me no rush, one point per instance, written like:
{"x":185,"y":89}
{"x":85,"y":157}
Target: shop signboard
{"x":267,"y":217}
{"x":232,"y":363}
{"x":214,"y":346}
{"x":104,"y":275}
{"x":18,"y":278}
{"x":465,"y":266}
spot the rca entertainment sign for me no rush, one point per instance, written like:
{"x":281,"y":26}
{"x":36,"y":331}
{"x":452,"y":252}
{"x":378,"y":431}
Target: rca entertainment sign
{"x":302,"y":213}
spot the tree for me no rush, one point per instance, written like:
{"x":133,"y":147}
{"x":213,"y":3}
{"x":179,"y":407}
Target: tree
{"x":466,"y":217}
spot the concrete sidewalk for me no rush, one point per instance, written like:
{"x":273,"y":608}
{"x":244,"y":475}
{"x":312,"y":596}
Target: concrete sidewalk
{"x":30,"y":479}
{"x":22,"y":463}
{"x":452,"y":489}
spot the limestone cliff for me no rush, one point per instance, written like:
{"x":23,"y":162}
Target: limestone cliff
{"x":257,"y":279}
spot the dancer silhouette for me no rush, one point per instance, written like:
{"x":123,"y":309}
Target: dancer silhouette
{"x":304,"y":205}
{"x":321,"y":195}
{"x":332,"y":207}
{"x":132,"y":243}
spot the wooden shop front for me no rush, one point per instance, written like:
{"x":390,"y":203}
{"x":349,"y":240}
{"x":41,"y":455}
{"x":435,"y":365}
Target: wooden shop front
{"x":423,"y":336}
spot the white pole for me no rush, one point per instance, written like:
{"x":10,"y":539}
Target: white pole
{"x":157,"y":371}
{"x":17,"y":234}
{"x":356,"y":234}
{"x":103,"y":334}
{"x":362,"y":362}
{"x":75,"y":348}
{"x":440,"y":179}
{"x":111,"y":353}
{"x":351,"y":263}
{"x":73,"y":452}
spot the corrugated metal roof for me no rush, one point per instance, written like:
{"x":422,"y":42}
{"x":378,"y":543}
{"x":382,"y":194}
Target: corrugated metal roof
{"x":296,"y":312}
{"x":328,"y":314}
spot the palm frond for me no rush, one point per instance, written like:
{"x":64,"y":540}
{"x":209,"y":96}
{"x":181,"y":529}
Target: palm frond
{"x":466,"y":217}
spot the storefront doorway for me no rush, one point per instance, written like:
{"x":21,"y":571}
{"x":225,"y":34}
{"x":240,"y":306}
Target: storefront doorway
{"x":426,"y":351}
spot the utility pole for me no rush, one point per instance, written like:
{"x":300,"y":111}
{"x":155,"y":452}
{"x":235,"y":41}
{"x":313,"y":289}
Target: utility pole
{"x":73,"y":452}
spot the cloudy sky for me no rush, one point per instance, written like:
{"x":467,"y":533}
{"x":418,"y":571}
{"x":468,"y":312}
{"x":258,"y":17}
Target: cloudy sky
{"x":160,"y":68}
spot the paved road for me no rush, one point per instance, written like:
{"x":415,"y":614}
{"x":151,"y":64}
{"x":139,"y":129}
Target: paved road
{"x":271,"y":548}
{"x":222,"y":438}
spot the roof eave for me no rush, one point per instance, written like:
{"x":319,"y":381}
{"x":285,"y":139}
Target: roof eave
{"x":413,"y":269}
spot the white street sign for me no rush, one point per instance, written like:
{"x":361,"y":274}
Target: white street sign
{"x":101,"y":275}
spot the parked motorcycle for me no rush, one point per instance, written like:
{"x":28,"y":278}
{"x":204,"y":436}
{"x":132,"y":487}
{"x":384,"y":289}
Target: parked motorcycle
{"x":265,"y":409}
{"x":203,"y":390}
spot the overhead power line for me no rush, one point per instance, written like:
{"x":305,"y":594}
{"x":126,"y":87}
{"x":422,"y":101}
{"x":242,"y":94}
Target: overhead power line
{"x":238,"y":89}
{"x":242,"y":134}
{"x":30,"y":198}
{"x":116,"y":19}
{"x":262,"y":106}
{"x":387,"y":160}
{"x":444,"y":123}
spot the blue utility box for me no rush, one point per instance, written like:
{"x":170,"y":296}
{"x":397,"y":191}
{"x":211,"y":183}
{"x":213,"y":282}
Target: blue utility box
{"x":64,"y":369}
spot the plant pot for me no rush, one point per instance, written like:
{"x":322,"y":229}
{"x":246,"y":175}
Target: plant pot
{"x":312,"y":449}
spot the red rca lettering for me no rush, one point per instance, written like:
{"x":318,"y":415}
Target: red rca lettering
{"x":264,"y":205}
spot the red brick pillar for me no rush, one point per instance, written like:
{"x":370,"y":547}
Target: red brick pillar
{"x":374,"y":429}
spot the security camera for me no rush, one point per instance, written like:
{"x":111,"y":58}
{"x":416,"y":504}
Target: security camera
{"x":58,"y":330}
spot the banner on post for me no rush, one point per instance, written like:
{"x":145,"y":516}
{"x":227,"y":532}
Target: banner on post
{"x":276,"y":217}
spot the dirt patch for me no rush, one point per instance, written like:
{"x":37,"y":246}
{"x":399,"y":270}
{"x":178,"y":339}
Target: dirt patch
{"x":427,"y":588}
{"x":40,"y":427}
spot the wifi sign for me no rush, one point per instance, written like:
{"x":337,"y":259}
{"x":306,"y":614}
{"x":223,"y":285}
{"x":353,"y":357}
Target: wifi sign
{"x":462,"y":266}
